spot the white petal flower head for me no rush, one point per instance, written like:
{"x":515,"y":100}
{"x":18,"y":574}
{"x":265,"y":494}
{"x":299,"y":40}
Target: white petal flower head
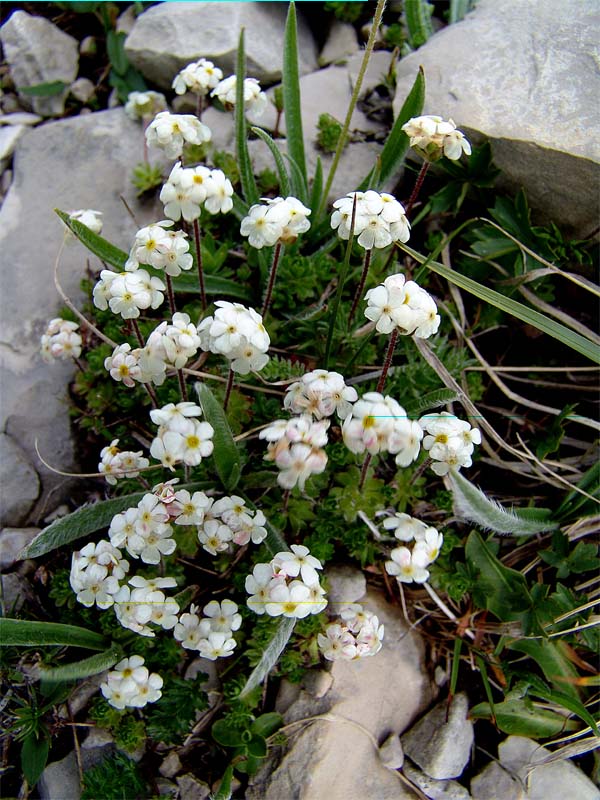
{"x":223,"y":616}
{"x":297,"y":562}
{"x":144,"y":105}
{"x":432,"y":137}
{"x":430,"y":545}
{"x":123,"y":365}
{"x":214,"y":536}
{"x":405,"y":527}
{"x":255,"y":100}
{"x":337,"y":643}
{"x":187,"y":508}
{"x":198,"y":77}
{"x":219,"y":193}
{"x":217,"y":645}
{"x":407,"y":566}
{"x":261,"y":230}
{"x":170,"y":132}
{"x":88,"y":217}
{"x":174,"y":417}
{"x":61,"y":340}
{"x":289,"y":600}
{"x":341,"y":219}
{"x":258,"y":584}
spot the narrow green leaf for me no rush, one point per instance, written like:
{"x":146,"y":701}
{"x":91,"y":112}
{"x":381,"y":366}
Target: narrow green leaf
{"x":316,"y":190}
{"x":115,"y":49}
{"x":225,"y":454}
{"x":291,"y":95}
{"x":458,"y":9}
{"x":34,"y":755}
{"x":23,"y":632}
{"x":284,"y":181}
{"x":574,"y":501}
{"x":471,"y":504}
{"x":249,"y":189}
{"x":510,"y":306}
{"x":433,"y":399}
{"x":93,"y":665}
{"x":572,"y":704}
{"x":96,"y":244}
{"x":455,"y":665}
{"x":213,"y":284}
{"x":267,"y":724}
{"x":49,"y":89}
{"x":270,"y":656}
{"x":417,"y":14}
{"x":519,"y":716}
{"x":224,"y":791}
{"x":550,"y":657}
{"x":299,"y":185}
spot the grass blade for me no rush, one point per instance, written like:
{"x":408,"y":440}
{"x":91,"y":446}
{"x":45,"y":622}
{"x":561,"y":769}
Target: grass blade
{"x":284,"y":181}
{"x":291,"y":94}
{"x":249,"y":189}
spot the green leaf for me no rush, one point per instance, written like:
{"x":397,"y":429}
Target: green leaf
{"x":225,"y":454}
{"x":501,"y":590}
{"x":22,"y":632}
{"x":520,"y":717}
{"x":572,"y":704}
{"x":510,"y":306}
{"x":80,"y":523}
{"x":316,"y":192}
{"x":213,"y":285}
{"x":226,"y":734}
{"x":291,"y":95}
{"x":249,"y":189}
{"x":458,"y":9}
{"x":417,"y":14}
{"x":84,"y":668}
{"x":96,"y":244}
{"x":433,"y":399}
{"x":115,"y":49}
{"x":224,"y":791}
{"x":257,"y":747}
{"x":267,"y":724}
{"x":397,"y":143}
{"x":270,"y":655}
{"x":550,"y":657}
{"x":34,"y":755}
{"x":49,"y":89}
{"x":471,"y":504}
{"x":574,"y":502}
{"x":284,"y":181}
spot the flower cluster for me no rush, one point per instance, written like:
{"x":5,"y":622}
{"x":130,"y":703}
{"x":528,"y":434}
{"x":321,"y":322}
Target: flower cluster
{"x":60,"y":340}
{"x":141,"y":602}
{"x":128,"y":293}
{"x":275,"y":220}
{"x":433,"y":138}
{"x":169,"y":132}
{"x":379,"y":424}
{"x":180,"y":437}
{"x":176,"y":343}
{"x":115,"y":463}
{"x":144,"y":530}
{"x":160,"y":248}
{"x":379,"y":219}
{"x":237,"y":333}
{"x":212,"y":635}
{"x":408,"y":564}
{"x":189,"y":189}
{"x":96,"y":570}
{"x":321,"y":394}
{"x":127,"y":366}
{"x":88,"y":217}
{"x":450,"y":441}
{"x":144,"y":105}
{"x":255,"y":100}
{"x":198,"y":77}
{"x":296,"y":446}
{"x":228,"y":520}
{"x":130,"y":685}
{"x":287,"y":586}
{"x":402,"y":305}
{"x":358,"y":635}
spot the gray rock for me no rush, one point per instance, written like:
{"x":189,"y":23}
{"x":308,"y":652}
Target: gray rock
{"x":38,"y":52}
{"x":436,"y":790}
{"x":19,"y":483}
{"x":340,"y":44}
{"x":82,"y":89}
{"x":88,"y":46}
{"x":126,"y":20}
{"x":166,"y":788}
{"x":391,"y":752}
{"x":168,"y":36}
{"x":20,"y":118}
{"x":190,"y":788}
{"x":346,"y":585}
{"x":96,"y":746}
{"x":441,"y":748}
{"x":317,"y":682}
{"x":60,"y":780}
{"x":170,"y":766}
{"x":377,"y":68}
{"x":16,"y":591}
{"x":12,"y":541}
{"x":82,"y":162}
{"x":531,"y":86}
{"x":9,"y":102}
{"x":370,"y":698}
{"x":9,"y":136}
{"x":497,"y":783}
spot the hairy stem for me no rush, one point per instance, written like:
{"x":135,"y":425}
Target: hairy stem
{"x":228,"y":389}
{"x":200,"y":266}
{"x":361,"y":285}
{"x":387,"y":361}
{"x":417,"y":188}
{"x":170,"y":293}
{"x":272,"y":276}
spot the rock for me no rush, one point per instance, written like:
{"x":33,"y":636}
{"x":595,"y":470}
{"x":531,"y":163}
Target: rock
{"x":9,"y":136}
{"x":377,"y":68}
{"x":88,"y":46}
{"x":81,"y":162}
{"x":82,"y":89}
{"x":340,"y":44}
{"x":96,"y":746}
{"x":81,"y":695}
{"x":391,"y":752}
{"x":126,"y":20}
{"x":60,"y":780}
{"x":12,"y":541}
{"x":20,"y":118}
{"x":16,"y":591}
{"x":441,"y":748}
{"x":170,"y":766}
{"x":19,"y":483}
{"x":528,"y":86}
{"x":370,"y":698}
{"x":346,"y":585}
{"x":496,"y":783}
{"x":317,"y":682}
{"x":287,"y":695}
{"x":166,"y":37}
{"x":435,"y":790}
{"x":190,"y":788}
{"x":166,"y":788}
{"x":38,"y":52}
{"x":9,"y":102}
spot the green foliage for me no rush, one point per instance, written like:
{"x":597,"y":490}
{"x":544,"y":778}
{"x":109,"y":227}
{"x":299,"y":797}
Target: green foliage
{"x":174,"y":714}
{"x":50,"y":89}
{"x":226,"y":456}
{"x":291,"y":104}
{"x":128,"y":732}
{"x":346,"y":12}
{"x":21,"y":632}
{"x":114,"y":778}
{"x":395,"y":35}
{"x":418,"y":21}
{"x":146,"y":177}
{"x":582,"y":558}
{"x":247,"y":735}
{"x":329,"y":132}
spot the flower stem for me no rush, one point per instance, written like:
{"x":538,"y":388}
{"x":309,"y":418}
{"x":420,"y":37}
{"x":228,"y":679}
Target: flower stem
{"x":387,"y":361}
{"x":417,"y":189}
{"x":182,"y":386}
{"x":228,"y":389}
{"x":199,"y":262}
{"x":199,"y":106}
{"x":272,"y":275}
{"x":170,"y":293}
{"x":363,"y":471}
{"x":136,"y":330}
{"x":361,"y":285}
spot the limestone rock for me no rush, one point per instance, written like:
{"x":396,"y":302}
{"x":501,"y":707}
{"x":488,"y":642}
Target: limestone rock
{"x":391,"y":752}
{"x":38,"y":52}
{"x":20,"y":118}
{"x":441,"y":748}
{"x":9,"y":136}
{"x":60,"y":780}
{"x":12,"y":541}
{"x":170,"y":766}
{"x":436,"y":790}
{"x":19,"y":483}
{"x":340,"y":44}
{"x":346,"y":585}
{"x":81,"y":162}
{"x":377,"y":68}
{"x":16,"y":591}
{"x":369,"y":698}
{"x":166,"y":37}
{"x":82,"y":89}
{"x":531,"y":86}
{"x":190,"y":788}
{"x":97,"y":745}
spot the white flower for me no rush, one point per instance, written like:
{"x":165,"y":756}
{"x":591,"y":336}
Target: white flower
{"x":254,"y":100}
{"x":358,"y":636}
{"x":219,"y":192}
{"x":402,"y":305}
{"x":88,"y":217}
{"x":61,"y":340}
{"x":117,"y":463}
{"x":237,"y":333}
{"x":130,"y":685}
{"x":214,"y":536}
{"x":223,"y":616}
{"x":190,"y":630}
{"x":289,"y":600}
{"x":450,"y":441}
{"x":433,"y":137}
{"x":405,"y":527}
{"x":430,"y":545}
{"x":408,"y":566}
{"x":122,"y":365}
{"x":189,"y":509}
{"x":379,"y":219}
{"x":377,"y":424}
{"x":260,"y":230}
{"x":297,"y":562}
{"x":199,"y":77}
{"x":143,"y":105}
{"x":150,"y":546}
{"x":175,"y":416}
{"x":216,"y":645}
{"x":132,"y":291}
{"x":337,"y":643}
{"x":321,"y":394}
{"x":257,"y":586}
{"x":170,"y":132}
{"x":277,"y":220}
{"x":95,"y":574}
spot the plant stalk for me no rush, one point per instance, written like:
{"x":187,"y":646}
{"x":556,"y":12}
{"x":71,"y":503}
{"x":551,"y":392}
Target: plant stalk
{"x":228,"y":389}
{"x":272,"y":276}
{"x":200,"y":265}
{"x":361,"y":286}
{"x":417,"y":187}
{"x":170,"y":293}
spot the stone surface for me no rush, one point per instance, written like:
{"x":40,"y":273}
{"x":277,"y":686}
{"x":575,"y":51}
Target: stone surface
{"x":38,"y":52}
{"x":369,"y":699}
{"x":317,"y":682}
{"x":530,"y":85}
{"x":347,"y":584}
{"x":496,"y":783}
{"x":168,"y":36}
{"x":82,"y":89}
{"x":82,"y":162}
{"x":377,"y":69}
{"x":96,"y":746}
{"x":12,"y":541}
{"x":20,"y":118}
{"x":19,"y":483}
{"x":190,"y":788}
{"x":341,"y":43}
{"x":435,"y":790}
{"x":9,"y":136}
{"x":441,"y":748}
{"x":16,"y":591}
{"x":60,"y":780}
{"x":391,"y":752}
{"x":170,"y":766}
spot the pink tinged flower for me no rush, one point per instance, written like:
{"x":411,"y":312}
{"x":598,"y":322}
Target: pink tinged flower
{"x":298,"y":562}
{"x":291,"y":600}
{"x":406,"y":566}
{"x":337,"y":643}
{"x":257,"y":586}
